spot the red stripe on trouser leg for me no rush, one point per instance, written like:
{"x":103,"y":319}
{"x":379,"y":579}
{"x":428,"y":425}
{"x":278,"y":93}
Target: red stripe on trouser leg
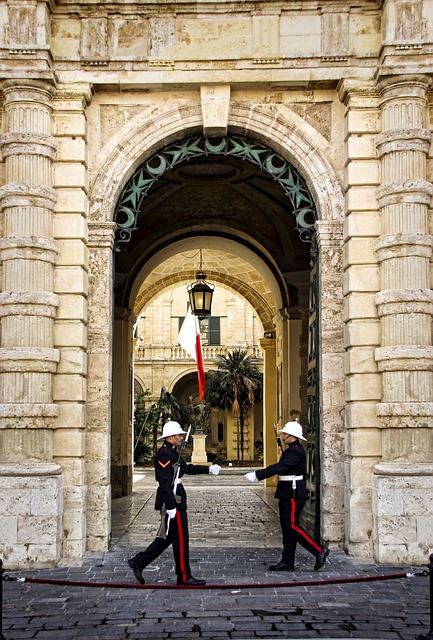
{"x":300,"y":531}
{"x":182,"y":567}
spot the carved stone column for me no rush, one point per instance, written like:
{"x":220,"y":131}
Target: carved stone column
{"x":28,"y":306}
{"x":405,"y":308}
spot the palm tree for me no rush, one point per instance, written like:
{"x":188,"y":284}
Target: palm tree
{"x":149,"y":422}
{"x":235,"y":385}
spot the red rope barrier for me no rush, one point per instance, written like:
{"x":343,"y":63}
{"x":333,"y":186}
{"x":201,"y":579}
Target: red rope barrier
{"x":307,"y":583}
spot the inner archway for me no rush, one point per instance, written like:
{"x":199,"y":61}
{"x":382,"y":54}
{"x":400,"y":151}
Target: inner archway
{"x":201,"y":193}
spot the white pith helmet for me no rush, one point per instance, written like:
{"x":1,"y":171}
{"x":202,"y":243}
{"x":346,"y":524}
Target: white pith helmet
{"x":293,"y":429}
{"x":171,"y":428}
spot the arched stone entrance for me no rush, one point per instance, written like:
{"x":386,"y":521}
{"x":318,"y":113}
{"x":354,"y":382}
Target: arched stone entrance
{"x":292,"y":139}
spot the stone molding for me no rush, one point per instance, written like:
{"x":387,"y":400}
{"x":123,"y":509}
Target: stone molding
{"x":402,"y":469}
{"x":403,"y":140}
{"x":29,"y":144}
{"x":407,"y":191}
{"x":32,"y":303}
{"x":29,"y":410}
{"x":404,"y":301}
{"x":15,"y":194}
{"x":329,"y":233}
{"x":29,"y":469}
{"x":402,"y":245}
{"x":32,"y":359}
{"x":412,"y":410}
{"x":28,"y":248}
{"x":404,"y":358}
{"x":101,"y":235}
{"x":409,"y":85}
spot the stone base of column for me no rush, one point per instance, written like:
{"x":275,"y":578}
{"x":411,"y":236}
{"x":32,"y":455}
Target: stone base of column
{"x":402,"y":515}
{"x":31,"y":509}
{"x":199,"y":449}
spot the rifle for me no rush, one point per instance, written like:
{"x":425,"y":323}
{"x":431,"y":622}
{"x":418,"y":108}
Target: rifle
{"x":278,"y":439}
{"x":163,"y":528}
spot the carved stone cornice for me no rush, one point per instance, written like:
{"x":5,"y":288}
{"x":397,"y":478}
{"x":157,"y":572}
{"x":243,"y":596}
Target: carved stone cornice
{"x":101,"y":235}
{"x":391,"y":87}
{"x":26,"y":89}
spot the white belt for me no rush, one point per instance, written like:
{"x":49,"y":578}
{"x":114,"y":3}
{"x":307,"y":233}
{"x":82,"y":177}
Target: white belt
{"x":291,"y":478}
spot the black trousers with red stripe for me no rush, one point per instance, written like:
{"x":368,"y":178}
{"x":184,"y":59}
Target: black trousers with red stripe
{"x":178,"y":537}
{"x":290,"y":512}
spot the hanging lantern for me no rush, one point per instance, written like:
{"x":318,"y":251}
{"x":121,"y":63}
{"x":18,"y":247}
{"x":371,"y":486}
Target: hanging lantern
{"x":200,"y":294}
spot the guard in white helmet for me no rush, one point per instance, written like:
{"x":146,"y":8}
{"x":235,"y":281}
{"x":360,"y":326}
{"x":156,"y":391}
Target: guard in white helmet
{"x":292,"y":495}
{"x":173,"y":505}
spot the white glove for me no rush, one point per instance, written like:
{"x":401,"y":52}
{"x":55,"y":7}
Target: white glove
{"x":215,"y":469}
{"x":251,"y":476}
{"x":171,"y":513}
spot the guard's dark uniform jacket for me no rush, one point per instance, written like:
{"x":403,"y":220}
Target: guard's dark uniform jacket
{"x":165,"y":465}
{"x":292,"y":462}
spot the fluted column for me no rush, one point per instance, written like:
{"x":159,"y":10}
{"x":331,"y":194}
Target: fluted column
{"x":405,"y":307}
{"x":28,"y":251}
{"x":28,"y":359}
{"x":404,"y":249}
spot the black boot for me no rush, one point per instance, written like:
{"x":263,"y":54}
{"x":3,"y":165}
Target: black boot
{"x":136,"y":570}
{"x":191,"y":582}
{"x":321,"y":559}
{"x":282,"y":566}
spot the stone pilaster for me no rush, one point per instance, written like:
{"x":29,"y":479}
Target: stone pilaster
{"x":28,"y":305}
{"x":71,"y":324}
{"x":360,"y":322}
{"x":405,"y":308}
{"x":332,"y":436}
{"x":99,"y":390}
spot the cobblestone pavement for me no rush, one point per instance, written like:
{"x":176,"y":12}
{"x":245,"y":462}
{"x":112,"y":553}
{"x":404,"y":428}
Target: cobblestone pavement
{"x":235,"y":535}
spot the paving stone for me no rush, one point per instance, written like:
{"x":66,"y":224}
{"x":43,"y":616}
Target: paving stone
{"x":235,"y":537}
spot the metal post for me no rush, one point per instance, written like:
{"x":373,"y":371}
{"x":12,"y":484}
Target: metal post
{"x":429,"y":636}
{"x":1,"y":600}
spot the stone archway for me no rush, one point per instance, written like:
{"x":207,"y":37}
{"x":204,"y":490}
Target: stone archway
{"x":296,"y":141}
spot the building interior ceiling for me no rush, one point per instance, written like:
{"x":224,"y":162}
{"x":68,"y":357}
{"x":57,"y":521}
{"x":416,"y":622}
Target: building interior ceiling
{"x":208,"y":201}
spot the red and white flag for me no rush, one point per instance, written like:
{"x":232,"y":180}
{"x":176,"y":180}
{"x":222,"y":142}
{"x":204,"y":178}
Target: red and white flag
{"x":190,"y":340}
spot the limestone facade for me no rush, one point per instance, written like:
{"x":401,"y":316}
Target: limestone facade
{"x":91,"y":91}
